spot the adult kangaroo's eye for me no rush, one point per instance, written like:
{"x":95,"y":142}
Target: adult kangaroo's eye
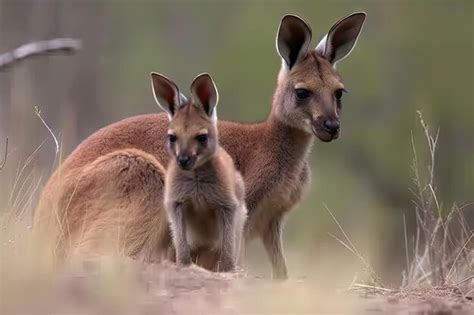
{"x":202,"y":139}
{"x":338,"y":94}
{"x":172,"y":138}
{"x":302,"y":94}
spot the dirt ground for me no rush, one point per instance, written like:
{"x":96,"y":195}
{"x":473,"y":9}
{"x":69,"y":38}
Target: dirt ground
{"x":421,"y":301}
{"x":107,"y":288}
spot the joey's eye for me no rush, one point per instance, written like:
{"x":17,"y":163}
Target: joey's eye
{"x":338,"y":94}
{"x":172,"y":138}
{"x":202,"y":139}
{"x":302,"y":94}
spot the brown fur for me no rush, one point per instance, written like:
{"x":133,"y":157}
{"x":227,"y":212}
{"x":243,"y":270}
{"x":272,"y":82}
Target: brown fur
{"x":205,"y":204}
{"x":272,"y":156}
{"x":113,"y":204}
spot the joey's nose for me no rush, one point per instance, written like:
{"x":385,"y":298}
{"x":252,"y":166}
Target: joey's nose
{"x":332,"y":125}
{"x":184,"y":161}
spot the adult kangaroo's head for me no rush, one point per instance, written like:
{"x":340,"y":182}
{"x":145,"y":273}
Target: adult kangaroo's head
{"x":309,"y":92}
{"x":192,"y":132}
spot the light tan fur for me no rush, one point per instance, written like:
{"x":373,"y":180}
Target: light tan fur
{"x":272,"y":155}
{"x":114,"y":205}
{"x":204,"y":193}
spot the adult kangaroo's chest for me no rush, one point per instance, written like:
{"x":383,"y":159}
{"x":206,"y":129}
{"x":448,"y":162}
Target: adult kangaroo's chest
{"x":280,"y":191}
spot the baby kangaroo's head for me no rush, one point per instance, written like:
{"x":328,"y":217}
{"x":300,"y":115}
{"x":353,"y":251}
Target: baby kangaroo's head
{"x":192,"y":132}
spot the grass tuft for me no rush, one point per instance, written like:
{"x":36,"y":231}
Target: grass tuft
{"x":441,"y":251}
{"x":440,"y":255}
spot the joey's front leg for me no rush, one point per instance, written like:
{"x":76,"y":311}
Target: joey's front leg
{"x":240,"y":237}
{"x":227,"y":251}
{"x":272,"y":240}
{"x":181,"y":246}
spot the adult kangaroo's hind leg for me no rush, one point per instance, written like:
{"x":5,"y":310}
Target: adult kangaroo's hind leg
{"x":117,"y":204}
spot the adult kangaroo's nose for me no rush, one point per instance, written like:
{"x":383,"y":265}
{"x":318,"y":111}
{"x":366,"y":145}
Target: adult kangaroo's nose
{"x":332,"y":125}
{"x":184,"y":161}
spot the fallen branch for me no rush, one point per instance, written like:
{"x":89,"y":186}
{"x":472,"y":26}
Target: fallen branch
{"x":46,"y":47}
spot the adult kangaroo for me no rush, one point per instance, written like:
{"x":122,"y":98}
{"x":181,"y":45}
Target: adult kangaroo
{"x":271,"y":155}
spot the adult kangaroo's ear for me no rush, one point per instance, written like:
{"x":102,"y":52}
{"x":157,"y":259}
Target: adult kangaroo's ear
{"x":341,"y":38}
{"x":204,"y":94}
{"x":166,"y":93}
{"x":293,"y":39}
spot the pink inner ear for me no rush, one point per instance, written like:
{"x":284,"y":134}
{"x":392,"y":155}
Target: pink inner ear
{"x":203,"y":93}
{"x":168,"y":93}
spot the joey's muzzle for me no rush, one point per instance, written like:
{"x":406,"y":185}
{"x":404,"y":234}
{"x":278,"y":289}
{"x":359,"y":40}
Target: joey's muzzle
{"x":332,"y":126}
{"x":185,"y":161}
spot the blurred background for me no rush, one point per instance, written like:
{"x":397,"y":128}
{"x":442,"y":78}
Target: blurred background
{"x":411,"y":56}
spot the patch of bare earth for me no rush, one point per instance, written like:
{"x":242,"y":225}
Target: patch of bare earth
{"x":428,"y":300}
{"x":102,"y":287}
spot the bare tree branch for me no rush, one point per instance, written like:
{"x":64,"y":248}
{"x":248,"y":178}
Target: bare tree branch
{"x":46,"y":47}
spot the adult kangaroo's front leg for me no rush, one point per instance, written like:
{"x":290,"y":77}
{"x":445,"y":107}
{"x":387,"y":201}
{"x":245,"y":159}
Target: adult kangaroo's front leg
{"x":272,"y":240}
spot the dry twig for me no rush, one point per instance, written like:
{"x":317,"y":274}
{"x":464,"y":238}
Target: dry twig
{"x":2,"y":165}
{"x":56,"y":143}
{"x":361,"y":286}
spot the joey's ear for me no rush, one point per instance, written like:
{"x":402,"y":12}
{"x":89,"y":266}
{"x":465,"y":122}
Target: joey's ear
{"x":204,"y":94}
{"x":293,"y":39}
{"x":341,"y":38}
{"x":166,"y":93}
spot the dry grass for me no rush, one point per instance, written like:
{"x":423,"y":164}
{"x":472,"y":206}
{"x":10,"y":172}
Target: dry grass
{"x":440,"y":256}
{"x":376,"y":282}
{"x":442,"y":249}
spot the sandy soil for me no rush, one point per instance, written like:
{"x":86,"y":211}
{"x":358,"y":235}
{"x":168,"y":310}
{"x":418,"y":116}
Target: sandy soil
{"x":101,"y":288}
